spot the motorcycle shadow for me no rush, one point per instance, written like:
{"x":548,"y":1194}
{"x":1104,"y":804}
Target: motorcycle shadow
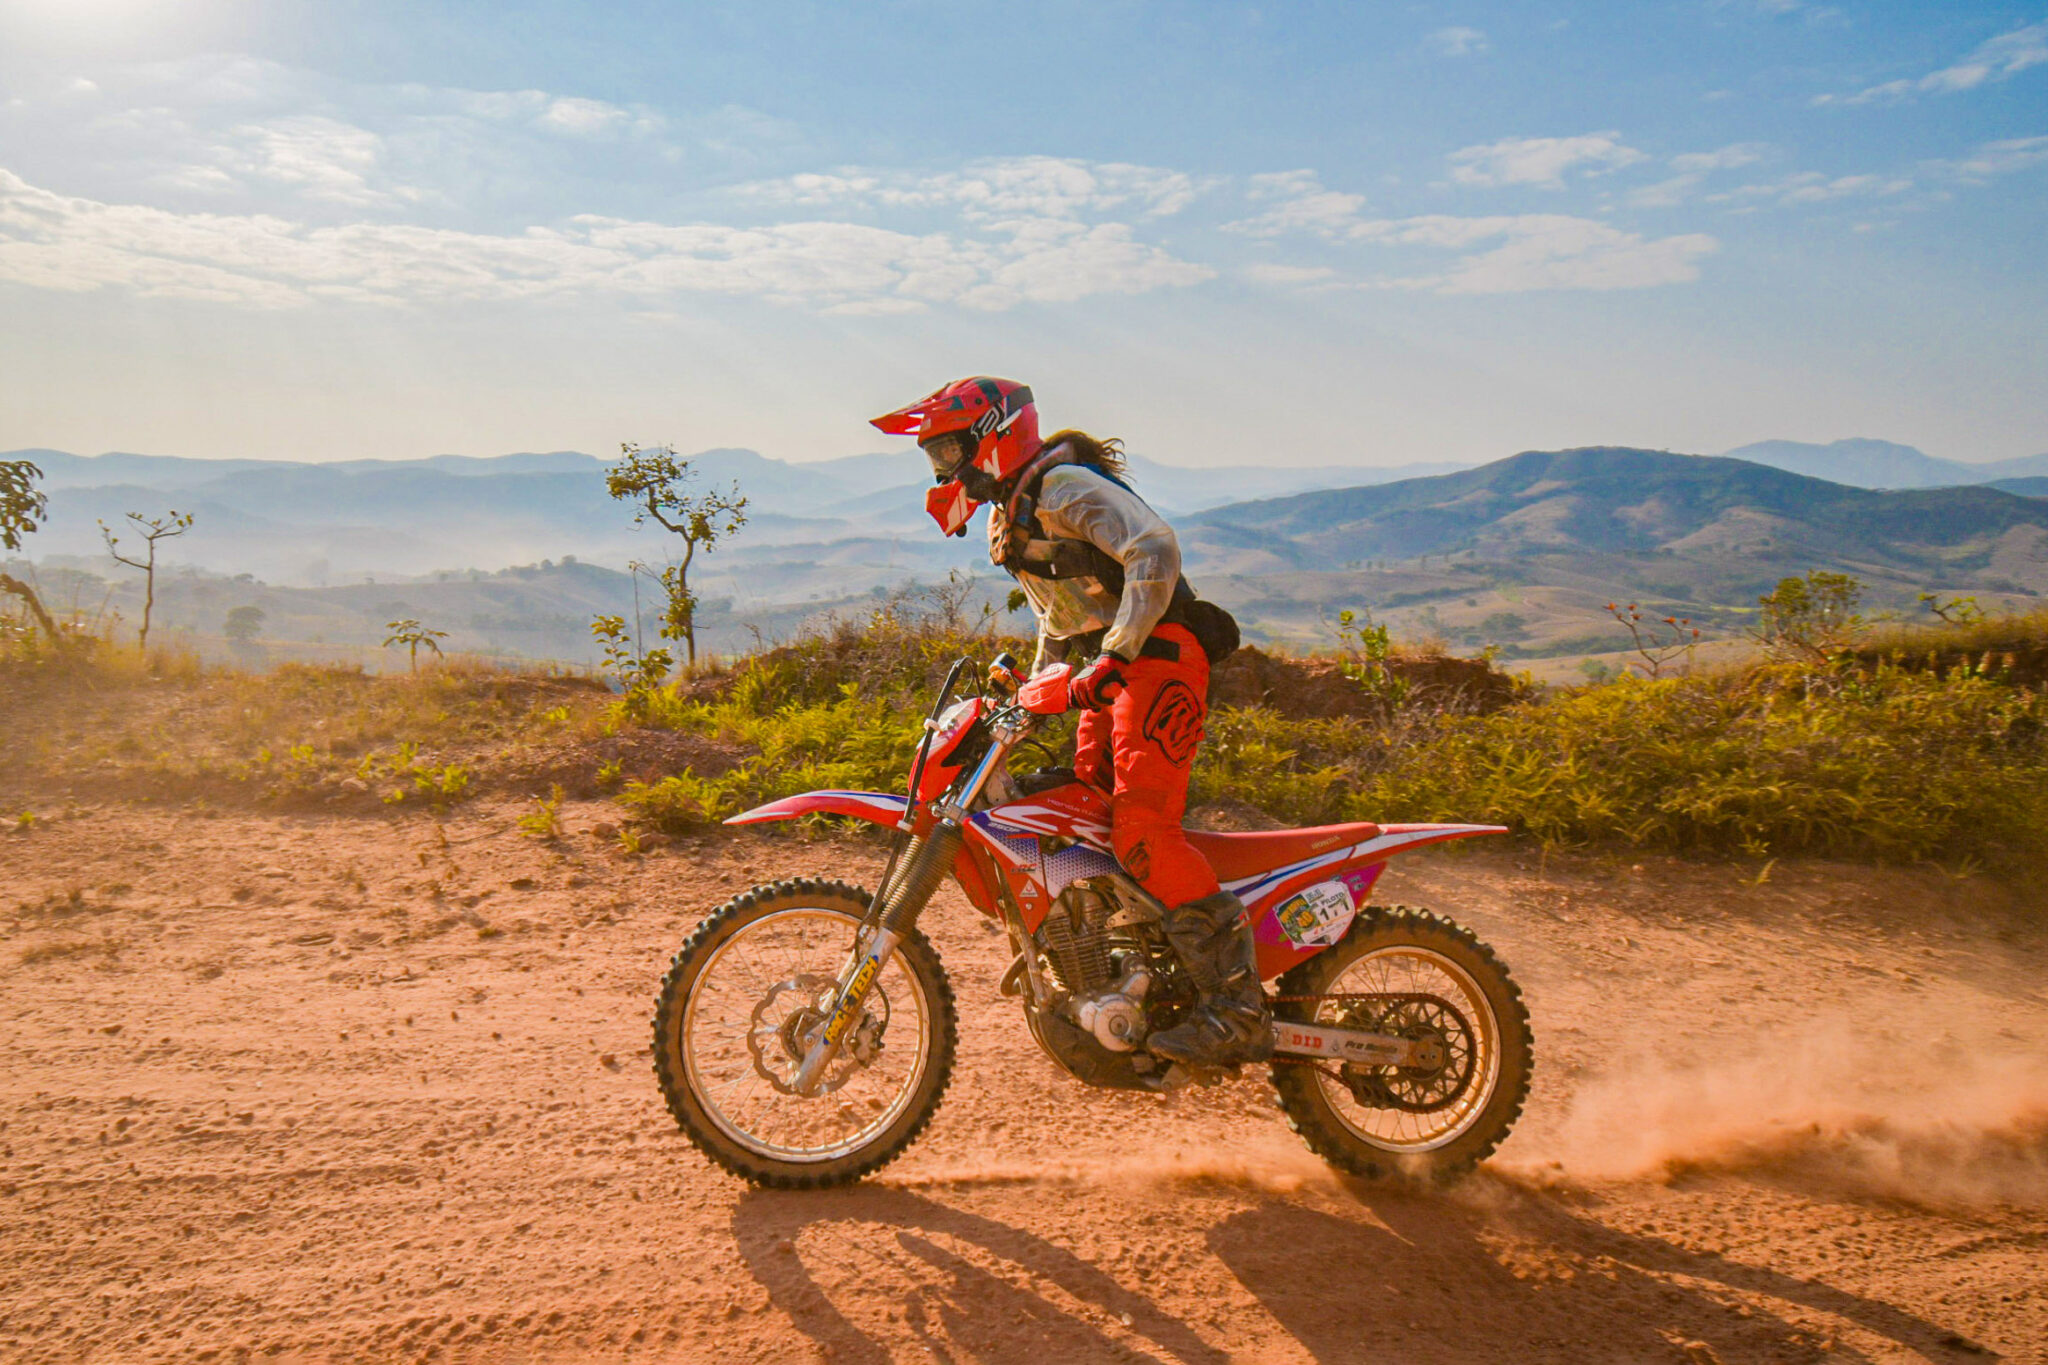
{"x":1500,"y":1273}
{"x":1497,"y":1271}
{"x":934,"y":1258}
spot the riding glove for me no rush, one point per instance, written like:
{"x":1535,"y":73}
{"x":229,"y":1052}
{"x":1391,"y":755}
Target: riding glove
{"x":1097,"y":685}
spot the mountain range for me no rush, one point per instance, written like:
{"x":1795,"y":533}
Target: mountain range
{"x":1522,"y":552}
{"x":1882,"y":464}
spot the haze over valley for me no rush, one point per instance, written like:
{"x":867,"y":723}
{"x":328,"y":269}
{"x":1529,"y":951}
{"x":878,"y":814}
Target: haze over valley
{"x":513,"y":555}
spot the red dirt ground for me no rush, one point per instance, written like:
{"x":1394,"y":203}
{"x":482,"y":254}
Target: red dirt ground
{"x":376,"y":1088}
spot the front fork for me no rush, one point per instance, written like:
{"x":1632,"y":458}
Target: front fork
{"x":908,"y":885}
{"x":900,"y":900}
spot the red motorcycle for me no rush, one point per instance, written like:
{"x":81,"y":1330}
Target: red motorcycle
{"x":805,"y":1032}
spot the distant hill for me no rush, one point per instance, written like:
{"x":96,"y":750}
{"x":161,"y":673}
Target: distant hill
{"x":1619,"y":501}
{"x":1525,"y":550}
{"x":2026,"y":488}
{"x":320,"y":523}
{"x":1866,"y":463}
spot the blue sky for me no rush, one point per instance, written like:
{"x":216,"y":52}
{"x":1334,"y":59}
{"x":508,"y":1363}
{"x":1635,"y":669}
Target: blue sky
{"x":1295,"y":234}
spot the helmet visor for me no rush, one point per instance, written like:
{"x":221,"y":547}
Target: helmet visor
{"x":947,"y":452}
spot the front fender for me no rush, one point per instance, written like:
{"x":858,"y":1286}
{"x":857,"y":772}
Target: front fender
{"x":877,"y":808}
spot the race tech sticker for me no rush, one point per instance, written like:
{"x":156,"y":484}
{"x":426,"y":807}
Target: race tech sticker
{"x":1318,"y":916}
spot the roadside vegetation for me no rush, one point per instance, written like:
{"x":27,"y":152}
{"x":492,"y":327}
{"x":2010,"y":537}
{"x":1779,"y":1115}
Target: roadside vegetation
{"x":1839,"y":738}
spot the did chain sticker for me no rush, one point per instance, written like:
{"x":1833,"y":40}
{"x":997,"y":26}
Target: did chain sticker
{"x":1317,"y":917}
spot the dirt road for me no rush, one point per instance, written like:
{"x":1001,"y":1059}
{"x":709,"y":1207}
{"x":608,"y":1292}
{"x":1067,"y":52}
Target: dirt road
{"x":376,"y":1088}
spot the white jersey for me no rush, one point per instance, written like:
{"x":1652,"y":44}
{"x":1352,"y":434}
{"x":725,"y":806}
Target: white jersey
{"x":1078,"y":502}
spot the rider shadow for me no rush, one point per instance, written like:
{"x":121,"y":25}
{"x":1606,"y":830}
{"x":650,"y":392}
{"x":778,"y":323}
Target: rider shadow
{"x":948,"y":1301}
{"x":1503,"y":1274}
{"x":1431,"y":1279}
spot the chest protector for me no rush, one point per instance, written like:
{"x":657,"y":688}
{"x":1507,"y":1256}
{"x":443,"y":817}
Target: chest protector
{"x":1031,"y":551}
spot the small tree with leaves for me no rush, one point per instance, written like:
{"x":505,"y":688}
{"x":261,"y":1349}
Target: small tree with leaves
{"x":656,"y":483}
{"x":152,"y":530}
{"x":244,"y":624}
{"x":1812,"y":619}
{"x":22,"y":509}
{"x":409,"y":635}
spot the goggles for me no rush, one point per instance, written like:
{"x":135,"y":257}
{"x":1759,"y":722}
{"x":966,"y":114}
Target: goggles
{"x":947,"y":453}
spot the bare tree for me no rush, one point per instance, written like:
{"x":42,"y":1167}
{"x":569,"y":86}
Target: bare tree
{"x":22,"y":508}
{"x":654,"y":482}
{"x":412,"y":635}
{"x":151,"y":529}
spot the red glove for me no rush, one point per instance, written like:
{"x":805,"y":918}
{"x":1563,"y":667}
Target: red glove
{"x":1097,"y":685}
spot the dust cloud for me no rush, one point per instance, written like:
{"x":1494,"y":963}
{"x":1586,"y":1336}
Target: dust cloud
{"x":1929,"y":1115}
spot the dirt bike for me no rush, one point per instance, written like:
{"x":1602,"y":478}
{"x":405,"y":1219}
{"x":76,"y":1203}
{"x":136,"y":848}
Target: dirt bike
{"x":804,"y":1033}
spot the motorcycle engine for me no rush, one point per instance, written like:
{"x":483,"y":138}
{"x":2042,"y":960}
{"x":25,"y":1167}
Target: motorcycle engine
{"x":1116,"y":1016}
{"x":1106,"y":986}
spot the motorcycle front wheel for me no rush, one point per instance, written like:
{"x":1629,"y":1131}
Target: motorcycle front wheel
{"x":1412,"y":973}
{"x":730,"y":1029}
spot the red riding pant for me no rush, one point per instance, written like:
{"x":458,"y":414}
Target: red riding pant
{"x":1139,"y":748}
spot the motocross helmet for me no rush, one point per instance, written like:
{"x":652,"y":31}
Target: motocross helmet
{"x":977,"y":433}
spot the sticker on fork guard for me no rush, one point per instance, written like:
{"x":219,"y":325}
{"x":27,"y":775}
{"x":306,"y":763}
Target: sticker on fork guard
{"x":1318,"y":916}
{"x":849,"y":1003}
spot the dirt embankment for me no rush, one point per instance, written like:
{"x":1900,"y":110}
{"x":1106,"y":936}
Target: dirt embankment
{"x":319,"y":1087}
{"x":1316,"y":687}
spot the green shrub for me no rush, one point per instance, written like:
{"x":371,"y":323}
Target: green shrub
{"x":1888,"y":764}
{"x":837,"y":709}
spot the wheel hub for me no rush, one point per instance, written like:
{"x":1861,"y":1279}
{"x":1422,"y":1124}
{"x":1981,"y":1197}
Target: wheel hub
{"x":779,"y":1045}
{"x":1441,"y":1069}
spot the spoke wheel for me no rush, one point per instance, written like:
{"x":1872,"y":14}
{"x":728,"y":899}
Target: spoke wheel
{"x":736,"y":1013}
{"x":1411,"y":973}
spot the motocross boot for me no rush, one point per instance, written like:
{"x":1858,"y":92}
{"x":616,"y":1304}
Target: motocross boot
{"x":1230,"y":1022}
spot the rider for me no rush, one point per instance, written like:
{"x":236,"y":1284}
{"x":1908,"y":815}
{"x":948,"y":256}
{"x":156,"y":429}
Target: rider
{"x":1102,"y":574}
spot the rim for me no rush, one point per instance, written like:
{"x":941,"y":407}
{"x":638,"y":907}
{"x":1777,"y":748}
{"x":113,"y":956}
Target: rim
{"x":734,"y":1035}
{"x":1409,"y":969}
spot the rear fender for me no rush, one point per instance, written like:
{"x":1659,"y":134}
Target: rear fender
{"x":877,"y":808}
{"x":1300,"y":909}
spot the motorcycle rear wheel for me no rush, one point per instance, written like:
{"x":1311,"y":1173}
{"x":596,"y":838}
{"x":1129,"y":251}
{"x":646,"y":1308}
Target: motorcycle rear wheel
{"x":727,"y":1026}
{"x":1413,"y":952}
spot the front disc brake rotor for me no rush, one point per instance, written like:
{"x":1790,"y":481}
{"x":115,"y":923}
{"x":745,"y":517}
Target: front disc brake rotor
{"x":786,"y":1022}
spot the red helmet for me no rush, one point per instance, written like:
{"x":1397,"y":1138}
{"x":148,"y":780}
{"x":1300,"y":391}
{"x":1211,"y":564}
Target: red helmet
{"x":993,"y":429}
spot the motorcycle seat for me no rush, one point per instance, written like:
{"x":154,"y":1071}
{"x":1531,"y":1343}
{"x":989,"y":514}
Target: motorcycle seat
{"x":1236,"y":856}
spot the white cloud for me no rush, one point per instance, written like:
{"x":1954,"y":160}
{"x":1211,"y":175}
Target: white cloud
{"x":1812,"y":187}
{"x":1541,"y":251}
{"x":1540,"y":161}
{"x":1999,"y":59}
{"x":320,"y":158}
{"x":1304,"y":206}
{"x":59,"y":242}
{"x":1532,"y":251}
{"x":1458,"y":41}
{"x":1996,"y":158}
{"x":1722,"y":159}
{"x":995,"y":190}
{"x":1693,"y":168}
{"x":586,"y":118}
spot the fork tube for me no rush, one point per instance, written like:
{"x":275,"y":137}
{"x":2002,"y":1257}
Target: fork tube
{"x":852,"y":992}
{"x":930,"y":858}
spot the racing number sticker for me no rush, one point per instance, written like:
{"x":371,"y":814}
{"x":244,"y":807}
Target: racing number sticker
{"x":1318,"y":916}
